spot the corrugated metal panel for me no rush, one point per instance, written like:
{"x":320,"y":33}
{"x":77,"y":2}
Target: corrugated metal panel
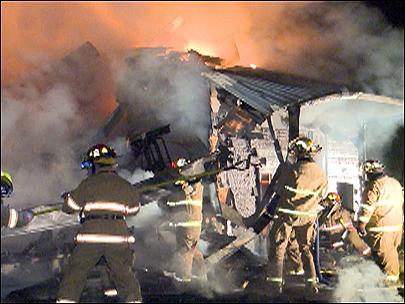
{"x":266,"y":95}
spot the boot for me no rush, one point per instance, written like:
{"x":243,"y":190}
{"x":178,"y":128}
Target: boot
{"x":311,"y":286}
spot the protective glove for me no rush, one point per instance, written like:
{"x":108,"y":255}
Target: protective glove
{"x":25,"y":217}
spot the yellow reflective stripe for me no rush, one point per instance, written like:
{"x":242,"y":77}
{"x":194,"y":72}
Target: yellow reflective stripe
{"x":312,"y":279}
{"x":338,"y":244}
{"x":386,"y":228}
{"x":392,"y":278}
{"x":336,"y":227}
{"x":72,"y":204}
{"x":104,"y":238}
{"x":301,"y":191}
{"x":367,"y":207}
{"x":111,"y":292}
{"x":298,"y":213}
{"x":186,"y":224}
{"x":275,"y":279}
{"x":364,"y":219}
{"x":110,"y":206}
{"x":185,"y":202}
{"x":131,"y":210}
{"x":12,"y":218}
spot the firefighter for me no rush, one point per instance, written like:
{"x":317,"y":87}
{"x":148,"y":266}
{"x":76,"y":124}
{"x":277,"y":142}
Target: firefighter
{"x":337,"y":223}
{"x":10,"y":217}
{"x":300,"y":188}
{"x":187,"y":220}
{"x":103,"y":200}
{"x":381,"y":218}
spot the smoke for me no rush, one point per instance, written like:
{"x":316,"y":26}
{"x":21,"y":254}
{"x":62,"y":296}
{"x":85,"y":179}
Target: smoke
{"x":347,"y":42}
{"x":34,"y":147}
{"x":163,"y":89}
{"x":362,"y":281}
{"x":366,"y":122}
{"x":46,"y":119}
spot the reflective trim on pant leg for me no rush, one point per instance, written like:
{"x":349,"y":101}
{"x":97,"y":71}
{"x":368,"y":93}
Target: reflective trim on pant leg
{"x":312,"y":280}
{"x":274,"y":279}
{"x":181,"y":279}
{"x":65,"y":301}
{"x":186,"y":224}
{"x":111,"y":292}
{"x":311,"y":213}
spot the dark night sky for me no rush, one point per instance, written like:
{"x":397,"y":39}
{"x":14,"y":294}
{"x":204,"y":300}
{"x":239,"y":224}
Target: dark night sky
{"x":392,"y":10}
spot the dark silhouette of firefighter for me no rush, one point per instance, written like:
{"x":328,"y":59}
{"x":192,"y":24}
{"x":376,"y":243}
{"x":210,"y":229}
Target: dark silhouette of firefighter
{"x":300,"y":189}
{"x":103,"y":200}
{"x":11,"y":217}
{"x":381,"y":218}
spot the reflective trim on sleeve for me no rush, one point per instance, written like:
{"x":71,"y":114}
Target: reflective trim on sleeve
{"x":110,"y":206}
{"x":186,"y":224}
{"x":364,"y":219}
{"x":72,"y":204}
{"x":392,"y":278}
{"x":12,"y":218}
{"x":299,"y":213}
{"x":104,"y":238}
{"x":132,"y":210}
{"x":315,"y":279}
{"x":386,"y":228}
{"x":366,"y":251}
{"x":197,"y":203}
{"x":301,"y":191}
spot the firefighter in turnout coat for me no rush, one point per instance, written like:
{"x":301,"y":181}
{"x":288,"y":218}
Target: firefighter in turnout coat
{"x":381,"y":218}
{"x":103,"y":200}
{"x":186,"y":219}
{"x":10,"y":217}
{"x":301,"y":187}
{"x":337,"y":223}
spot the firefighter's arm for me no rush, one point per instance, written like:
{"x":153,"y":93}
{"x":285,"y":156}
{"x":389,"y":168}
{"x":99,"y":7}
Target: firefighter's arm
{"x":12,"y":218}
{"x":70,"y":204}
{"x":133,"y":206}
{"x":367,"y":206}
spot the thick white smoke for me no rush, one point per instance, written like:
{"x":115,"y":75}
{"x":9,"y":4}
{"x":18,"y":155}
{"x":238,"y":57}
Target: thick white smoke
{"x":162,"y":89}
{"x":36,"y":143}
{"x":46,"y":120}
{"x":363,"y":282}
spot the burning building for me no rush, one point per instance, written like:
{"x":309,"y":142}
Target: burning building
{"x":246,"y":115}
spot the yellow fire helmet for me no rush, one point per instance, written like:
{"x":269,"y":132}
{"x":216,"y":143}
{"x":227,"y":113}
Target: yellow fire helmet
{"x":6,"y":184}
{"x":99,"y":154}
{"x":304,"y":145}
{"x":372,"y":166}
